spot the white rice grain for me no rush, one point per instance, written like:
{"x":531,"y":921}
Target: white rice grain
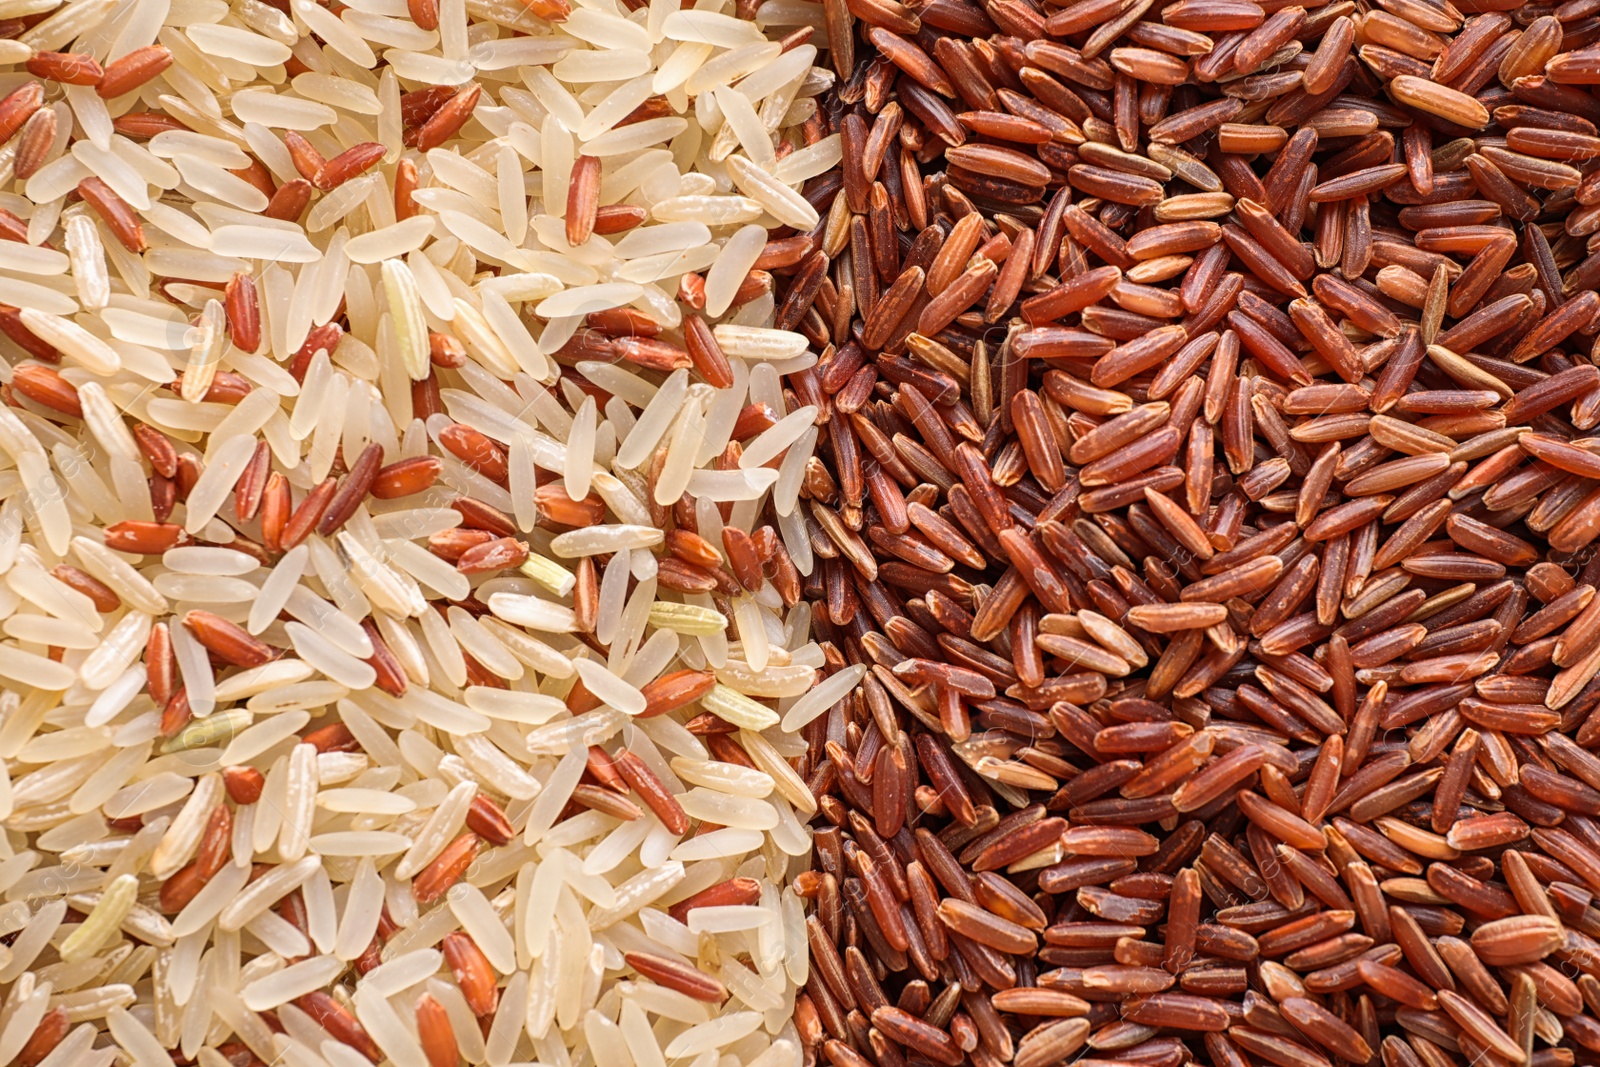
{"x":369,"y":714}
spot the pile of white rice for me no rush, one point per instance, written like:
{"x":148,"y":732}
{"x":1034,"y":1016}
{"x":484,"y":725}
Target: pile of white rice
{"x":308,"y":940}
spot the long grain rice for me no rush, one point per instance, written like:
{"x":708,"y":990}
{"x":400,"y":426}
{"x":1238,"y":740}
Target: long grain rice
{"x":291,"y":383}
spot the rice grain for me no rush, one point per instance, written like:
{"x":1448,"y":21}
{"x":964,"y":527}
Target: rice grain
{"x":368,"y":331}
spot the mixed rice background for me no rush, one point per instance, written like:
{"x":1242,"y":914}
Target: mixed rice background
{"x":763,"y":534}
{"x":400,"y":532}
